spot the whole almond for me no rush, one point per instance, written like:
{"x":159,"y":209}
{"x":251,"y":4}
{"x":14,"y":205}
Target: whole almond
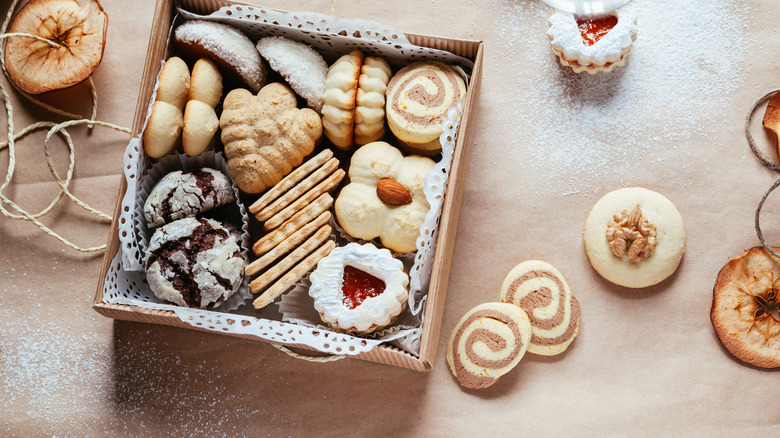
{"x":392,"y":192}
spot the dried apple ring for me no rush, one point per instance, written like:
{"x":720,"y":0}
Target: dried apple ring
{"x":79,"y":34}
{"x":745,"y":306}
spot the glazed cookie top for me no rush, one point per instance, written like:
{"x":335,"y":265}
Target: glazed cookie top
{"x":571,"y":36}
{"x":634,"y":237}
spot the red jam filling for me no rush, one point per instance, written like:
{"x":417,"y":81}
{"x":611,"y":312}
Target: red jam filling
{"x":358,"y":285}
{"x":592,"y":30}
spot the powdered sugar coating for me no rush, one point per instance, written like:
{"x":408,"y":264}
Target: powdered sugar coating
{"x":180,"y":195}
{"x":375,"y":312}
{"x":567,"y":41}
{"x":181,"y":260}
{"x":227,"y":44}
{"x":301,"y":66}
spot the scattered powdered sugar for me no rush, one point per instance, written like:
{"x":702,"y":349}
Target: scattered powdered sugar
{"x":687,"y":60}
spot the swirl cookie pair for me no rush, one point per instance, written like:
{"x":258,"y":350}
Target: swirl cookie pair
{"x":488,"y":342}
{"x":542,"y":292}
{"x":418,"y":98}
{"x":354,"y":100}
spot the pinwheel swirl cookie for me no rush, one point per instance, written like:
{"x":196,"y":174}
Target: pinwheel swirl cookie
{"x":595,"y":44}
{"x":418,"y":98}
{"x":746,"y":306}
{"x":542,"y":292}
{"x":488,"y":342}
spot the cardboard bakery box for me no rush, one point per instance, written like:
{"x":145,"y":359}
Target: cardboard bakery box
{"x":387,"y":353}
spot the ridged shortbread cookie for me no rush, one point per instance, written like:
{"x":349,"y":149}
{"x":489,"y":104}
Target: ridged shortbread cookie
{"x":634,"y":237}
{"x":375,"y":74}
{"x":542,"y":292}
{"x":488,"y":342}
{"x":338,"y":110}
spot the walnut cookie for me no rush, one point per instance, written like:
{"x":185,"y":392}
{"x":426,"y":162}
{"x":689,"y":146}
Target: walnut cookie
{"x":634,"y":237}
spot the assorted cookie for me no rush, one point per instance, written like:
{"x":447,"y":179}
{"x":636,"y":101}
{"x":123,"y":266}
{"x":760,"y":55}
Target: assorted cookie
{"x":592,"y":44}
{"x":634,"y":237}
{"x":384,"y":198}
{"x":194,"y":263}
{"x":271,"y":135}
{"x":186,"y":194}
{"x":418,"y":99}
{"x":267,"y":135}
{"x":488,"y":342}
{"x":542,"y":292}
{"x":359,"y":288}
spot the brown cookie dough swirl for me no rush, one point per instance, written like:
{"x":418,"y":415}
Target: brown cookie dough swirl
{"x":541,"y":291}
{"x":418,"y":98}
{"x":487,"y":343}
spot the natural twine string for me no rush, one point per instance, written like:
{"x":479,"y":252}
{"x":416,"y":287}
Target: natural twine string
{"x":766,"y":161}
{"x":54,"y":128}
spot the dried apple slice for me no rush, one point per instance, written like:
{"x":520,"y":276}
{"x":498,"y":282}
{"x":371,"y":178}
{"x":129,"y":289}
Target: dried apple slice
{"x":745,"y":308}
{"x":79,"y":29}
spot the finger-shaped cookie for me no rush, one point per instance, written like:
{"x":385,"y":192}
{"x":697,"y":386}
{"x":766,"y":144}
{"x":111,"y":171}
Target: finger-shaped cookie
{"x":488,"y":341}
{"x":261,"y":282}
{"x":292,"y":241}
{"x":541,"y":291}
{"x":291,"y":180}
{"x":308,"y":214}
{"x":325,"y":186}
{"x":293,"y":275}
{"x":299,"y":189}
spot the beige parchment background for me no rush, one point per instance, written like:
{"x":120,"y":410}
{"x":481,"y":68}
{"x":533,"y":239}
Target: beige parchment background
{"x":646,"y":362}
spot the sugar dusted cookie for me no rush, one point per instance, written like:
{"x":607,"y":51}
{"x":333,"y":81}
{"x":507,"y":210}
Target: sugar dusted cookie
{"x":359,"y":288}
{"x":300,"y":65}
{"x":231,"y":51}
{"x":745,"y":306}
{"x":488,"y":342}
{"x":194,"y":263}
{"x":418,"y":98}
{"x":592,"y":44}
{"x":542,"y":292}
{"x":179,"y":195}
{"x":634,"y":237}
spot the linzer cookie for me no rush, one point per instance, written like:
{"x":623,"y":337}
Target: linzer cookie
{"x":746,"y":308}
{"x":542,"y":292}
{"x":359,"y":288}
{"x":592,"y":44}
{"x":181,"y":194}
{"x":488,"y":342}
{"x":418,"y":98}
{"x":194,"y":263}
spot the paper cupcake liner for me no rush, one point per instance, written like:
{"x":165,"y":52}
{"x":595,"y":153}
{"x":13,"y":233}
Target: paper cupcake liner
{"x":234,"y":216}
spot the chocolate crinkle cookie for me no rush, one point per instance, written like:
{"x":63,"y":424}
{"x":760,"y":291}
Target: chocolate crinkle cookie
{"x":194,"y":262}
{"x":179,"y":195}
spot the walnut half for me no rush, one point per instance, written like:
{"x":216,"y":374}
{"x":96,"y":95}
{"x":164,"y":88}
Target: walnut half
{"x":632,"y":235}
